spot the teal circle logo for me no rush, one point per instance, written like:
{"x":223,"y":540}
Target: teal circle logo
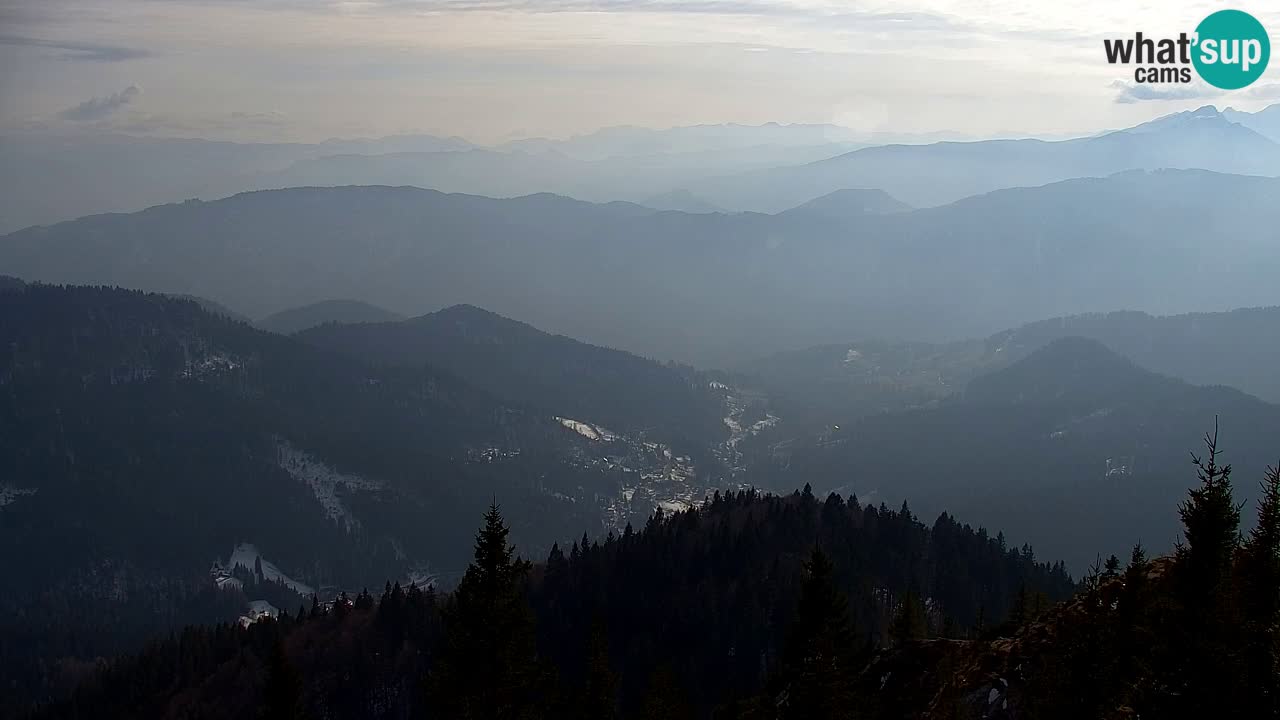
{"x":1232,"y":49}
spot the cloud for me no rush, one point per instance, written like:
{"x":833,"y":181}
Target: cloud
{"x":86,"y":52}
{"x":797,"y":9}
{"x":726,"y":7}
{"x":1130,"y":93}
{"x":98,"y":108}
{"x":236,"y":124}
{"x":1270,"y":91}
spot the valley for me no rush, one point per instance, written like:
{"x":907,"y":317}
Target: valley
{"x":769,"y":422}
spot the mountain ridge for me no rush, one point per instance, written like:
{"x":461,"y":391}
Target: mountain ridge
{"x":697,"y":288}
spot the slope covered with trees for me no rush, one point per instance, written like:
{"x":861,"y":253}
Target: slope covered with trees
{"x":615,"y":389}
{"x":825,"y":385}
{"x":1240,"y":348}
{"x":142,"y":438}
{"x":765,"y":607}
{"x":696,"y":613}
{"x":1072,"y":426}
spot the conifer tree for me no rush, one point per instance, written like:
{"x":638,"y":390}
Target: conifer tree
{"x":1260,"y":588}
{"x":282,"y":692}
{"x":489,"y":668}
{"x":1211,"y":525}
{"x":1112,"y":567}
{"x":1135,"y":575}
{"x":599,"y":696}
{"x":1262,"y":553}
{"x":1210,"y":666}
{"x":818,"y":668}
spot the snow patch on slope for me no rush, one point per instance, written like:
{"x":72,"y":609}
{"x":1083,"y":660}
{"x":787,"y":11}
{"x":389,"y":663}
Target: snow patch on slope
{"x":323,"y":481}
{"x":587,"y":430}
{"x":247,"y":555}
{"x":10,"y":493}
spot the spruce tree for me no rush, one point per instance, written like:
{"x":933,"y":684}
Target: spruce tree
{"x":489,"y":666}
{"x":1210,"y":666}
{"x":1260,"y":590}
{"x":1211,"y":526}
{"x":818,"y":667}
{"x":1262,"y":553}
{"x":282,"y":692}
{"x":599,"y":693}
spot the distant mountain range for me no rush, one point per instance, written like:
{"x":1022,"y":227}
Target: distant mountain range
{"x":51,"y":178}
{"x":631,"y":141}
{"x":765,"y":168}
{"x":1265,"y":122}
{"x":713,"y":289}
{"x":939,"y":173}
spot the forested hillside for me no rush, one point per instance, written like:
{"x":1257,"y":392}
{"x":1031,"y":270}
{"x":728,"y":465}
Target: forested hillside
{"x":764,"y":607}
{"x":1239,"y":348}
{"x":615,"y":389}
{"x":689,"y":614}
{"x":1072,"y":426}
{"x":142,"y":438}
{"x":825,"y":385}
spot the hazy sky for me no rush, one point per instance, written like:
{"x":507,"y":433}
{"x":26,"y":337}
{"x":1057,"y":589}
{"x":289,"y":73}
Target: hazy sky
{"x":493,"y":69}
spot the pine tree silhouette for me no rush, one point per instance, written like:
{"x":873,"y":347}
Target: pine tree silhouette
{"x":1260,"y":575}
{"x":282,"y":692}
{"x":599,"y":697}
{"x":818,"y":668}
{"x":1211,"y":525}
{"x":489,"y":668}
{"x":1211,"y":528}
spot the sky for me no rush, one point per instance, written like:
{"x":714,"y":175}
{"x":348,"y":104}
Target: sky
{"x":492,"y":70}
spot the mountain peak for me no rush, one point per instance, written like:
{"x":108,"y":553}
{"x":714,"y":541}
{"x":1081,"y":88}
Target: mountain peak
{"x":467,"y":311}
{"x":1073,"y":367}
{"x":852,"y":203}
{"x":325,"y":311}
{"x":1200,"y":118}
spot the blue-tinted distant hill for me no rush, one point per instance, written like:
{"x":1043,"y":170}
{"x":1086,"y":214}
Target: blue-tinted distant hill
{"x":714,"y":289}
{"x":1072,"y":427}
{"x":938,"y":173}
{"x":326,"y":311}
